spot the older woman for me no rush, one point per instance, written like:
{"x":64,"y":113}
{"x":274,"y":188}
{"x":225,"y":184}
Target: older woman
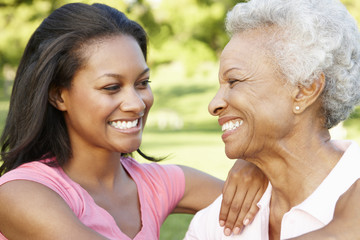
{"x":290,"y":72}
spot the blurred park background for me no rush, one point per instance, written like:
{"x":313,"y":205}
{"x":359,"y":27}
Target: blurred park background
{"x":186,"y":38}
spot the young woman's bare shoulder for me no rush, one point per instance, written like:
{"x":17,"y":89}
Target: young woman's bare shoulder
{"x":33,"y":211}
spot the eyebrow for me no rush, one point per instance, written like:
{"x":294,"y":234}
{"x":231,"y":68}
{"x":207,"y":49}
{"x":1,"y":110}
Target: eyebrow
{"x":119,"y":76}
{"x":230,"y":69}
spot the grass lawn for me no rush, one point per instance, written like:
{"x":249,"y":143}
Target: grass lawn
{"x":201,"y":150}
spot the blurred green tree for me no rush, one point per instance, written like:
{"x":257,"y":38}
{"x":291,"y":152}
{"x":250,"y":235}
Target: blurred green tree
{"x":189,"y":31}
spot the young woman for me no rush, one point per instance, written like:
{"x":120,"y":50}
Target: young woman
{"x":80,"y":101}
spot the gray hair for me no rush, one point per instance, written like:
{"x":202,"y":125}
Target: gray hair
{"x":316,"y":36}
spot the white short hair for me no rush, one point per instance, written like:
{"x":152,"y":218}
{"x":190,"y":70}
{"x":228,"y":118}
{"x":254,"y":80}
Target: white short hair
{"x":316,"y":36}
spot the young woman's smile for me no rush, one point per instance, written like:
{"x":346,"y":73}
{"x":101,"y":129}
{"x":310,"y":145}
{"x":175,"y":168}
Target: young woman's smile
{"x":110,"y":97}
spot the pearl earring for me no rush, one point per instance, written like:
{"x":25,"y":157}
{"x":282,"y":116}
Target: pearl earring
{"x":297,"y":108}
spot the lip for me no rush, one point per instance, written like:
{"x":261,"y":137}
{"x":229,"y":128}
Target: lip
{"x":227,"y":134}
{"x":223,"y":120}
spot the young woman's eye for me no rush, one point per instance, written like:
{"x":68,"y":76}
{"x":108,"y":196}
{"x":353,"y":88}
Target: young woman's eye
{"x":144,"y":83}
{"x":112,"y":88}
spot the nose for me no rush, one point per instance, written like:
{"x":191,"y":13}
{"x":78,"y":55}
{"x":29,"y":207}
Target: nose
{"x":133,"y":101}
{"x":218,"y":103}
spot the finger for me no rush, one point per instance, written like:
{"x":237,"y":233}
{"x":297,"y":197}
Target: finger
{"x":253,"y":209}
{"x":228,"y":195}
{"x":235,"y":209}
{"x":248,"y":210}
{"x":245,"y":208}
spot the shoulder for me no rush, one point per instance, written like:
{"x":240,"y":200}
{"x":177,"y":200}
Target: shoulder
{"x":24,"y":200}
{"x":34,"y":211}
{"x":28,"y":171}
{"x":19,"y":192}
{"x":204,"y":225}
{"x":39,"y":176}
{"x":37,"y":172}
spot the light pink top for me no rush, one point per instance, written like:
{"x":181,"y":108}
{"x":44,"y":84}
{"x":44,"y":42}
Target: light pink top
{"x":160,"y":188}
{"x":313,"y":213}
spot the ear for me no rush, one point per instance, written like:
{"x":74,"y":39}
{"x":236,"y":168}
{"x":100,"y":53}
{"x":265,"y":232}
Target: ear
{"x":56,"y":98}
{"x":306,"y":96}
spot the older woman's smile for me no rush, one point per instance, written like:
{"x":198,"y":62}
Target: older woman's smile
{"x":231,"y":125}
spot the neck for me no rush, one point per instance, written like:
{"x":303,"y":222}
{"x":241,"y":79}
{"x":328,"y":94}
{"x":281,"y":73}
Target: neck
{"x":96,"y":169}
{"x":296,"y":166}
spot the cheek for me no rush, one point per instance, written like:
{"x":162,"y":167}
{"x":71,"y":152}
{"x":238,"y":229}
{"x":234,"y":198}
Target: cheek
{"x":243,"y":101}
{"x":148,"y":99}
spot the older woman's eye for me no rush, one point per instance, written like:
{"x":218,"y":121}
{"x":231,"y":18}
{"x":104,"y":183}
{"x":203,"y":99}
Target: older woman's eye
{"x":232,"y":82}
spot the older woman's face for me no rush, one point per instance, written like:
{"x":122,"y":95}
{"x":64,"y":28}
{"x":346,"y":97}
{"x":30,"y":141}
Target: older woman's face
{"x":253,"y":104}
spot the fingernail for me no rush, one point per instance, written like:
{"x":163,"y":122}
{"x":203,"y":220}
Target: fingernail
{"x":227,"y":232}
{"x":222,"y":223}
{"x":246,"y":222}
{"x":236,"y":230}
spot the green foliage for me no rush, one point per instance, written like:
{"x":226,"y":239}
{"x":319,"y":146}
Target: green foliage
{"x":17,"y":21}
{"x":175,"y":227}
{"x":3,"y":113}
{"x":355,"y":113}
{"x":354,"y":8}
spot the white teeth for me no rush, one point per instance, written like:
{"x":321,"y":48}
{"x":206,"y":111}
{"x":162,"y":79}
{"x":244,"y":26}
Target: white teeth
{"x":134,"y":123}
{"x":124,"y":124}
{"x":231,"y":125}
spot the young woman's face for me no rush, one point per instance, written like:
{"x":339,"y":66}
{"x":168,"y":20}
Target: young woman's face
{"x":109,"y":99}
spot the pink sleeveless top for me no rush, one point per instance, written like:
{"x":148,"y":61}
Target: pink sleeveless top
{"x":160,"y":188}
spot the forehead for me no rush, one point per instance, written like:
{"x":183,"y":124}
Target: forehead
{"x":250,"y":49}
{"x":116,"y":55}
{"x":245,"y":47}
{"x":112,"y":50}
{"x":250,"y":54}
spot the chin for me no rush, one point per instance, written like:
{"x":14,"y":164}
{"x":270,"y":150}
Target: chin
{"x":233,"y":154}
{"x":129,"y":148}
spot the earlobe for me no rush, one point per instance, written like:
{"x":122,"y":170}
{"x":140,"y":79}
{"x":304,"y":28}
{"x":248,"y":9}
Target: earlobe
{"x":306,"y":96}
{"x":56,"y":99}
